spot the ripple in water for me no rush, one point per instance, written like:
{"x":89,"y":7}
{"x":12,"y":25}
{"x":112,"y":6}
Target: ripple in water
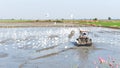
{"x":42,"y":45}
{"x":3,"y":55}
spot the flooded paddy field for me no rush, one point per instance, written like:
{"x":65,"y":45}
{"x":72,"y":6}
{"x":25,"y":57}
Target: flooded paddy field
{"x":50,"y":47}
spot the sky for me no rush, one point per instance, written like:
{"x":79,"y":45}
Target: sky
{"x":59,"y":9}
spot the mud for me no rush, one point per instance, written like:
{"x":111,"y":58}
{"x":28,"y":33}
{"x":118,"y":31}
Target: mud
{"x":51,"y":47}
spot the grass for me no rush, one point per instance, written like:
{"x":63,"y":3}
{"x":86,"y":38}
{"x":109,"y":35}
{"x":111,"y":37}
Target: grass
{"x":103,"y":23}
{"x":107,"y":23}
{"x":14,"y":21}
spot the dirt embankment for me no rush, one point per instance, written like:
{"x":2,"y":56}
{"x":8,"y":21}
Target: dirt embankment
{"x":37,"y":24}
{"x":45,"y":24}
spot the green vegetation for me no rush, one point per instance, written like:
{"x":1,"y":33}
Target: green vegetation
{"x":112,"y":23}
{"x":94,"y":22}
{"x":14,"y":21}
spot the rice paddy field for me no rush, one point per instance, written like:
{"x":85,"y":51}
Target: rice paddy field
{"x":50,"y":47}
{"x":101,"y":23}
{"x":33,"y":46}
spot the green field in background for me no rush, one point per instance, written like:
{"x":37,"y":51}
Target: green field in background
{"x":104,"y":23}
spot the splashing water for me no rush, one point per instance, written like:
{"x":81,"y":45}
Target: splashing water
{"x":46,"y":46}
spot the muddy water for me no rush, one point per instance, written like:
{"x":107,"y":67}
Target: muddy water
{"x":50,"y":47}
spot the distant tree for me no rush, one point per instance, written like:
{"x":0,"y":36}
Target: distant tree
{"x":36,"y":20}
{"x":62,"y":19}
{"x":48,"y":20}
{"x":95,"y":19}
{"x":12,"y":19}
{"x":109,"y":18}
{"x":58,"y":21}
